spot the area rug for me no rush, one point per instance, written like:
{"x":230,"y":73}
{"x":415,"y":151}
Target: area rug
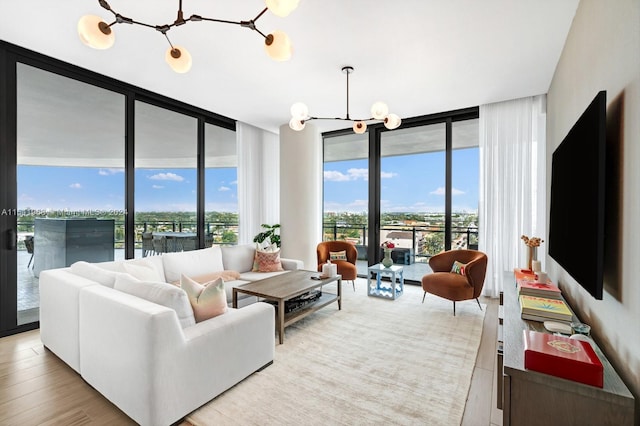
{"x":376,"y":361}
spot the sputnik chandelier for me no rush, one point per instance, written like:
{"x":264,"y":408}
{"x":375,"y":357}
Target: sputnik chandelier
{"x":96,"y":33}
{"x":379,"y":111}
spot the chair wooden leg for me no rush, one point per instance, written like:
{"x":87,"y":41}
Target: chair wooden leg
{"x":423,"y":296}
{"x":353,"y":283}
{"x":454,"y":308}
{"x":479,"y":306}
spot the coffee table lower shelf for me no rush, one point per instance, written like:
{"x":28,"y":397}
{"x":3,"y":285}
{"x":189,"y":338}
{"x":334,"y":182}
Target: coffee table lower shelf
{"x":281,"y":288}
{"x":324,"y":300}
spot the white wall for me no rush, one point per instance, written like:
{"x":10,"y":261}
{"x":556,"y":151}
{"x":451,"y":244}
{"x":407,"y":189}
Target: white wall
{"x":301,"y":193}
{"x":602,"y":52}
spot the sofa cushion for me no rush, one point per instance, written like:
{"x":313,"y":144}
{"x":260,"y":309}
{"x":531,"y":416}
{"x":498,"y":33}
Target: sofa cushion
{"x":267,"y":261}
{"x":95,"y":273}
{"x":118,"y":265}
{"x":238,"y":258}
{"x":192,"y":263}
{"x":207,"y":300}
{"x":161,"y":293}
{"x":144,"y":271}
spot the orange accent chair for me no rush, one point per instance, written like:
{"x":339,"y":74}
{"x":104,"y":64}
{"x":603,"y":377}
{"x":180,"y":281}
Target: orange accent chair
{"x":346,"y":268}
{"x":453,"y":286}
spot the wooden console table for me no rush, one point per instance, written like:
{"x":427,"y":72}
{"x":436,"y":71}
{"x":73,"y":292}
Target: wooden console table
{"x":532,"y":398}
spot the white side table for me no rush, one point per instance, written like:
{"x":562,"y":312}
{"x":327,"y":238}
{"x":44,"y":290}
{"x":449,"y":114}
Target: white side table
{"x":388,"y":290}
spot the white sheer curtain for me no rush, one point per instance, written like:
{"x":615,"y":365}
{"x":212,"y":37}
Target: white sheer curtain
{"x":258,"y":180}
{"x":512,"y":184}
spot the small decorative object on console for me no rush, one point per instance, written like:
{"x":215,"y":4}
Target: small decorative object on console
{"x":387,"y":246}
{"x":562,"y":357}
{"x":532,"y":245}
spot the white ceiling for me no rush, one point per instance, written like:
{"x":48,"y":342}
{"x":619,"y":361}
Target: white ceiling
{"x":419,"y":56}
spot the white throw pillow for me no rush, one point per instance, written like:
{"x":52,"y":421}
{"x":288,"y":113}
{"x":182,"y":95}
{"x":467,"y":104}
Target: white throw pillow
{"x":161,"y":293}
{"x":95,"y":273}
{"x":142,"y":271}
{"x":192,"y":263}
{"x":238,"y":258}
{"x":208,"y":300}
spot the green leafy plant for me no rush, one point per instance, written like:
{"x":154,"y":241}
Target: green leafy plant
{"x":270,"y":232}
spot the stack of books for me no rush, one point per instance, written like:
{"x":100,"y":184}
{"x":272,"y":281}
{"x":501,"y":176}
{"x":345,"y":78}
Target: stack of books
{"x":532,"y":288}
{"x":544,"y":309}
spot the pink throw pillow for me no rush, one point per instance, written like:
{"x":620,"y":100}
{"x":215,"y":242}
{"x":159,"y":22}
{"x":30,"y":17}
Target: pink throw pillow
{"x":267,"y":261}
{"x":208,"y":300}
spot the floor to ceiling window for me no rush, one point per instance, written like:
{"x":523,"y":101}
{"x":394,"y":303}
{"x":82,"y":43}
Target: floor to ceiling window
{"x":423,"y":192}
{"x":221,"y":186}
{"x":165,"y":179}
{"x":346,"y":199}
{"x":70,"y":177}
{"x":465,"y":172}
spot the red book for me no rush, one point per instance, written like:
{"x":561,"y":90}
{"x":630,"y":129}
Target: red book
{"x":524,"y":274}
{"x":533,"y":288}
{"x":562,"y":357}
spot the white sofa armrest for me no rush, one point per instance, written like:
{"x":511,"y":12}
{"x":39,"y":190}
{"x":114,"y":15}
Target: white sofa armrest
{"x":291,"y":264}
{"x":135,"y":353}
{"x":59,"y":312}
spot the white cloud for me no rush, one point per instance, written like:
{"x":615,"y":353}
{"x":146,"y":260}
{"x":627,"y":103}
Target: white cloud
{"x":353,"y":174}
{"x":167,"y":176}
{"x":335,"y":176}
{"x":157,"y":186}
{"x":75,"y":186}
{"x":441,"y":191}
{"x":235,"y":182}
{"x":224,"y":188}
{"x":107,"y":172}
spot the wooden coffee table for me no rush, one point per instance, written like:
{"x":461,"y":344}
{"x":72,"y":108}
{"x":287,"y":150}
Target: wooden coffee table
{"x":286,"y":286}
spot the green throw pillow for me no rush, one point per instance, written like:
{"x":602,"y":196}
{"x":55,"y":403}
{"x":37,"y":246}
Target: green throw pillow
{"x":458,"y":267}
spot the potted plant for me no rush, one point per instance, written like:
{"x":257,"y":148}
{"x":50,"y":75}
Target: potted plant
{"x":270,"y":232}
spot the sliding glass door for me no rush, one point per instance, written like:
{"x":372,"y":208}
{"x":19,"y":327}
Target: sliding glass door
{"x":70,"y":177}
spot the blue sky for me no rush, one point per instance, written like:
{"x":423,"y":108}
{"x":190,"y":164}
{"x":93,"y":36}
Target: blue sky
{"x":80,"y":188}
{"x":410,"y":183}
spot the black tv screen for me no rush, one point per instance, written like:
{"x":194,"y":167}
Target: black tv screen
{"x":577,"y":210}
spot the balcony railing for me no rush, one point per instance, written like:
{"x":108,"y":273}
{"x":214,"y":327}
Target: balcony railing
{"x":222,"y":232}
{"x":423,"y":241}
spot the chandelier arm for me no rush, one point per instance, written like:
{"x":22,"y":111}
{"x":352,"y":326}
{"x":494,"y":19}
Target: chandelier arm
{"x":167,"y":37}
{"x":260,"y":14}
{"x":342,"y":118}
{"x":105,"y":5}
{"x":223,"y":21}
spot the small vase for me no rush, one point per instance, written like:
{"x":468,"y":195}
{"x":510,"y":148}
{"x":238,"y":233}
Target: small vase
{"x":387,"y":261}
{"x":532,"y":253}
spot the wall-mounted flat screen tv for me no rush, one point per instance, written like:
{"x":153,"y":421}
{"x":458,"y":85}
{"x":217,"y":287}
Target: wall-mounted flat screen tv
{"x":577,"y":210}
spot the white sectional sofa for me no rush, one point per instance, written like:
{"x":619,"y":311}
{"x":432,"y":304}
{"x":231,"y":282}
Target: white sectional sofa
{"x":146,"y":354}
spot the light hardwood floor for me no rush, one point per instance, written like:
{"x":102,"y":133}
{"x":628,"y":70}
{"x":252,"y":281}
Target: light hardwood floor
{"x":36,"y":388}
